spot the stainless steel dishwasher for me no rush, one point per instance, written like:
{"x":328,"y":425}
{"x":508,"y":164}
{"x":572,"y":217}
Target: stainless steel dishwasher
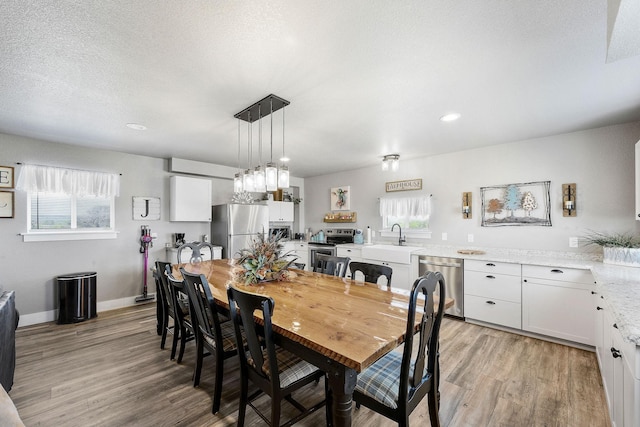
{"x":452,"y":270}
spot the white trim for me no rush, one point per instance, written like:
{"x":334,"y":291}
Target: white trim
{"x":52,"y":315}
{"x":51,"y":236}
{"x":415,"y":234}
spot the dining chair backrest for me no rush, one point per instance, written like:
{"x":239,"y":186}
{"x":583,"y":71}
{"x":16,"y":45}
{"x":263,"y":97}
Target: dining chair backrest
{"x":242,"y":306}
{"x":333,"y":265}
{"x":196,"y":251}
{"x":202,"y":304}
{"x":162,"y":286}
{"x":182,"y":310}
{"x":371,"y":272}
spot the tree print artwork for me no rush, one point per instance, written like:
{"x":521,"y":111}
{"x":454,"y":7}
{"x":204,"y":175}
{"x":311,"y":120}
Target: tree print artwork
{"x":529,"y":203}
{"x":516,"y":204}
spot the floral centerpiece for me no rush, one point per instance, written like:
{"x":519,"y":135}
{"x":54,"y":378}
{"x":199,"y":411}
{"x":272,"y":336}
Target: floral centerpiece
{"x":263,"y":261}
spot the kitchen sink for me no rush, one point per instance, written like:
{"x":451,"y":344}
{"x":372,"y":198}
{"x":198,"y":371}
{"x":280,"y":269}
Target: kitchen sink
{"x":389,"y":253}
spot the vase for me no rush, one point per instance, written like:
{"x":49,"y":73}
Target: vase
{"x":629,"y":257}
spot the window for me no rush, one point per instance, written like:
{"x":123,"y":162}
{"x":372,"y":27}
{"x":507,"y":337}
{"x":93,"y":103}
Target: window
{"x":411,"y":213}
{"x":67,"y":212}
{"x":67,"y":204}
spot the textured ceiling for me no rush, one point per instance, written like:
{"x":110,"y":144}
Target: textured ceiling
{"x":364,"y":78}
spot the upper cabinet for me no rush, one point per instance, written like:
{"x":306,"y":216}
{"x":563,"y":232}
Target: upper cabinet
{"x":190,"y":199}
{"x":638,"y":180}
{"x":280,"y":211}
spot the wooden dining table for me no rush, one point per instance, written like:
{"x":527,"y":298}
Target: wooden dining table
{"x":340,"y":325}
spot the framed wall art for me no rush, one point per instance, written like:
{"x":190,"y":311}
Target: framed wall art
{"x":146,"y":208}
{"x":6,"y":177}
{"x":516,"y":204}
{"x":341,"y":198}
{"x":7,"y":203}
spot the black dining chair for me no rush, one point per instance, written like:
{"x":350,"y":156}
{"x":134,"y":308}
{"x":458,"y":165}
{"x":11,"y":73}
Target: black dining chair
{"x":165,"y":302}
{"x":180,"y":301}
{"x":211,"y":334}
{"x":196,"y":251}
{"x":272,"y":369}
{"x":371,"y":272}
{"x":396,"y":383}
{"x":333,"y":265}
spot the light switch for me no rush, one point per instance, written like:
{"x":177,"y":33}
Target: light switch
{"x":444,"y":236}
{"x":470,"y":238}
{"x":573,"y":242}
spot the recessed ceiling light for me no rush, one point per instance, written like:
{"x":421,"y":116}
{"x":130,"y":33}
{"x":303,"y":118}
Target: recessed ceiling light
{"x":451,"y":117}
{"x":136,"y":126}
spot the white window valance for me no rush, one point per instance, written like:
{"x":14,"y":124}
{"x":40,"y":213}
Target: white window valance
{"x":49,"y":179}
{"x":405,"y":206}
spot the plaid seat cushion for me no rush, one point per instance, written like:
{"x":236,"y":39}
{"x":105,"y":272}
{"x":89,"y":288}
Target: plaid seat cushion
{"x":381,"y":381}
{"x":291,"y":367}
{"x":228,"y":337}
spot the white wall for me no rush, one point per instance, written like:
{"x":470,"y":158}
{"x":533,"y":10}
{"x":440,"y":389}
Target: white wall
{"x":600,"y":161}
{"x":31,"y":268}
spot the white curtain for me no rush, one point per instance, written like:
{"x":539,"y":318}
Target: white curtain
{"x":405,"y":206}
{"x":49,"y":179}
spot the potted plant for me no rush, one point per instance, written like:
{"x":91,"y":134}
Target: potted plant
{"x":617,"y":248}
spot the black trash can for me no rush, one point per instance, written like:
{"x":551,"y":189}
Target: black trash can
{"x":77,"y":297}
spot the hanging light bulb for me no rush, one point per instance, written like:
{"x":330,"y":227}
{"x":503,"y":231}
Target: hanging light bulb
{"x":283,"y":171}
{"x":271,"y":172}
{"x":259,"y":172}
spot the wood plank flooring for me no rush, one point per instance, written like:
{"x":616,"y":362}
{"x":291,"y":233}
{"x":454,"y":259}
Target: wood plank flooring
{"x":110,"y":371}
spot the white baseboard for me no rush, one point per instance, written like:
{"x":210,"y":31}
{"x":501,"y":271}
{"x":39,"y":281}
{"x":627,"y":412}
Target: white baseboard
{"x":52,"y":315}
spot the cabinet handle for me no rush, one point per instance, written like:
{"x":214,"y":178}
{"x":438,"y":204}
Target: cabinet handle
{"x":615,"y":325}
{"x":490,"y":264}
{"x":599,"y":308}
{"x":593,"y":292}
{"x":525,"y":281}
{"x":491,"y":303}
{"x":615,"y":353}
{"x":491,"y":277}
{"x":555,"y":270}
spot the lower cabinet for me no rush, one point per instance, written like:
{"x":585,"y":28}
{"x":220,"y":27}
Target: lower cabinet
{"x":492,"y":292}
{"x":300,"y":250}
{"x":619,"y":362}
{"x":557,"y":302}
{"x":354,"y":254}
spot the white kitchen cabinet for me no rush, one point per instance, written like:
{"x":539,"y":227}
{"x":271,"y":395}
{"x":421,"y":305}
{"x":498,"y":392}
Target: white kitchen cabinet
{"x":280,"y":211}
{"x":492,"y":292}
{"x":190,"y":199}
{"x":638,"y":181}
{"x":558,"y":302}
{"x":620,"y":374}
{"x":300,"y":250}
{"x":354,"y":254}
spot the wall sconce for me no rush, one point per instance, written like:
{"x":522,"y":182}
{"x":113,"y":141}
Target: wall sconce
{"x":569,"y":200}
{"x":466,"y":205}
{"x":391,"y":161}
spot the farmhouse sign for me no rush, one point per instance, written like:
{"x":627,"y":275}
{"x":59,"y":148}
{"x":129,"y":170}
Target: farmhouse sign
{"x":409,"y":184}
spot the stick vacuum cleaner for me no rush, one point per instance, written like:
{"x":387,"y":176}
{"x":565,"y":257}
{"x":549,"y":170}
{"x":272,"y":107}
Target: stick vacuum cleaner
{"x":146,"y":241}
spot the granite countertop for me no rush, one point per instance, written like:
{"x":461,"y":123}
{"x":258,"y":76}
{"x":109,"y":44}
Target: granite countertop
{"x":619,"y":285}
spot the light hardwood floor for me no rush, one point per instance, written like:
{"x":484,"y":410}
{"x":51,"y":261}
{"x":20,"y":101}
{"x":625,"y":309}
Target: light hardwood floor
{"x":110,"y":371}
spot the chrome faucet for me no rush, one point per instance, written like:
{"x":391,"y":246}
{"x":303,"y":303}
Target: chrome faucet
{"x":401,"y":239}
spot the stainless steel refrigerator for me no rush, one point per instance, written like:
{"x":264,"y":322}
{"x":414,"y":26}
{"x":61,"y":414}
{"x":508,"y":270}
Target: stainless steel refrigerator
{"x":234,"y":226}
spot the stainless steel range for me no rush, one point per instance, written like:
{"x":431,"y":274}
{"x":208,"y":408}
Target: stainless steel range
{"x":333,"y":237}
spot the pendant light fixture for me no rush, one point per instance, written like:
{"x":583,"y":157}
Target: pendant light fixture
{"x":274,"y":177}
{"x":237,"y":179}
{"x":283,"y":171}
{"x":259,"y":173}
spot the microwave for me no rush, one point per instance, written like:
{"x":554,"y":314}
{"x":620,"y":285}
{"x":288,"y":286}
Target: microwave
{"x":285,"y":232}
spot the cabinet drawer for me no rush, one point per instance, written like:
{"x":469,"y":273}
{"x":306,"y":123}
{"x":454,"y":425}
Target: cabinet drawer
{"x":350,"y":252}
{"x":493,"y":311}
{"x":558,"y":273}
{"x":300,"y":246}
{"x":499,"y":286}
{"x":492,"y":267}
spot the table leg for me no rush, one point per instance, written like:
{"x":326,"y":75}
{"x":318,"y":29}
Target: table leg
{"x":342,"y":382}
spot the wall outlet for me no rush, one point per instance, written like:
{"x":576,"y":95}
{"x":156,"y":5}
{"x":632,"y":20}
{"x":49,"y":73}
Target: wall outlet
{"x":573,"y":242}
{"x":444,"y":236}
{"x":470,"y":238}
